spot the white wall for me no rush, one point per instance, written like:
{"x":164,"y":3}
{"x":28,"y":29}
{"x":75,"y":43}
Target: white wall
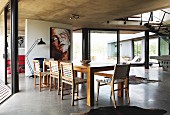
{"x":36,"y":29}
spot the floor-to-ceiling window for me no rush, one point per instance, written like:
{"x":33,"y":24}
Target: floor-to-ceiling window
{"x":164,"y":46}
{"x":138,"y":48}
{"x":153,"y":49}
{"x":131,"y":46}
{"x":103,"y":46}
{"x":77,"y":46}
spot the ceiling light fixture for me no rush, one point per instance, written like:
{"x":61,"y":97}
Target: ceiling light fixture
{"x":74,"y":16}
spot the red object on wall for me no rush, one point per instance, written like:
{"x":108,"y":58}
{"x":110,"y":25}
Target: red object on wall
{"x":8,"y":70}
{"x":21,"y":64}
{"x":8,"y":63}
{"x":21,"y":60}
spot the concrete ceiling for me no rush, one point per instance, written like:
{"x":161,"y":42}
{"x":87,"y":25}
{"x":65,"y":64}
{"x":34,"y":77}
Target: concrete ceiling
{"x":2,"y":4}
{"x":93,"y":13}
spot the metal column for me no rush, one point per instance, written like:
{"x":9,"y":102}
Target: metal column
{"x":159,"y":48}
{"x":85,"y":44}
{"x":14,"y":46}
{"x":146,"y":49}
{"x":159,"y":43}
{"x":118,"y":46}
{"x":133,"y":54}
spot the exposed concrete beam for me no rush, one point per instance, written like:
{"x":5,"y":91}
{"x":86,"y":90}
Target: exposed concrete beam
{"x":114,"y":27}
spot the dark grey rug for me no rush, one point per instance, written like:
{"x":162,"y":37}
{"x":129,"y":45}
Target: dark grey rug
{"x":133,"y":79}
{"x":123,"y":110}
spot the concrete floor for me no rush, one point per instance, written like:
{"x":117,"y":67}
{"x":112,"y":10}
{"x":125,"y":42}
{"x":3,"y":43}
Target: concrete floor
{"x":30,"y":101}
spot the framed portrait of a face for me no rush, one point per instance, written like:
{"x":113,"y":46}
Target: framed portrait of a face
{"x":60,"y":41}
{"x":21,"y":42}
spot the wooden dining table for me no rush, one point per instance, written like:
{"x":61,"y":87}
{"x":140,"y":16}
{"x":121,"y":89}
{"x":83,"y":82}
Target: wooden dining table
{"x":100,"y":69}
{"x":90,"y":70}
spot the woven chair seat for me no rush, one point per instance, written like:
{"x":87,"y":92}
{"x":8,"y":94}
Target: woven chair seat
{"x":104,"y":80}
{"x":80,"y":80}
{"x":77,"y":80}
{"x":109,"y":80}
{"x":46,"y":73}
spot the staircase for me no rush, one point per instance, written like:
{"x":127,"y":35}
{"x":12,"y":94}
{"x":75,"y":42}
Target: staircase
{"x":159,"y":28}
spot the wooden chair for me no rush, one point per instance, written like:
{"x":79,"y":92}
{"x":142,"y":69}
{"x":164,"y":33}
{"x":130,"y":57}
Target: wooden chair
{"x":40,"y":74}
{"x":54,"y":73}
{"x":67,"y":77}
{"x":120,"y":75}
{"x":46,"y":68}
{"x":41,"y":60}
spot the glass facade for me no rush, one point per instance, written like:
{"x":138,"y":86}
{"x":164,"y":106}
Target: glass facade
{"x":164,"y":46}
{"x":77,"y":46}
{"x":104,"y":46}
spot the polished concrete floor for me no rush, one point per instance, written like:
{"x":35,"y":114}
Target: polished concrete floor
{"x":30,"y":101}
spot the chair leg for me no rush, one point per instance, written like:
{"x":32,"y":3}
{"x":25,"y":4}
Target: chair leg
{"x":58,"y":86}
{"x":77,"y":90}
{"x":128,"y":96}
{"x":110,"y":93}
{"x":46,"y":80}
{"x":120,"y":86}
{"x":34,"y":81}
{"x":40,"y":83}
{"x":126,"y":83}
{"x":98,"y":87}
{"x":62,"y":85}
{"x":113,"y":96}
{"x":54,"y":80}
{"x":50,"y":83}
{"x":73,"y":90}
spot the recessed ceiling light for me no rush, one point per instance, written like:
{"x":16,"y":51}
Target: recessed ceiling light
{"x":74,"y":16}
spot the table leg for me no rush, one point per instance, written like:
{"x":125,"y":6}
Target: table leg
{"x":90,"y":87}
{"x":75,"y":73}
{"x":120,"y":92}
{"x":82,"y":75}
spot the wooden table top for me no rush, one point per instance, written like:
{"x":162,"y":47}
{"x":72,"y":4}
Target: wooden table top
{"x":108,"y":73}
{"x":93,"y":64}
